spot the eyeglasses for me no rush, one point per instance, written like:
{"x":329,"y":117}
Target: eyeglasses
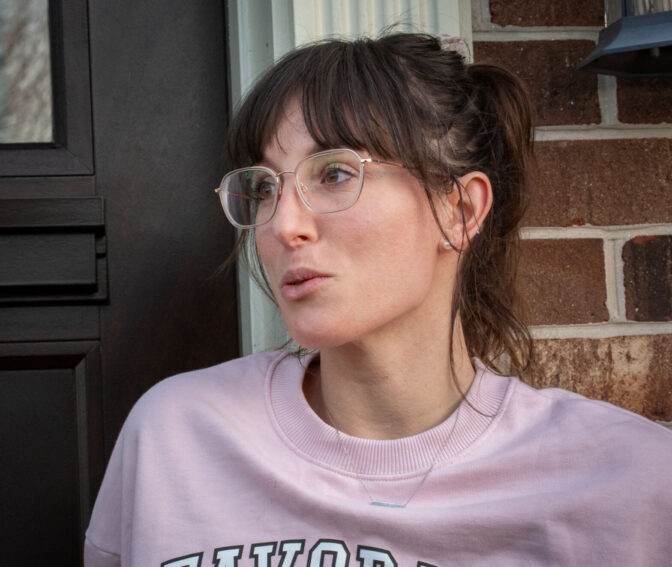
{"x":327,"y":182}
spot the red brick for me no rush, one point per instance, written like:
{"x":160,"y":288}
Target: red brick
{"x":549,"y":13}
{"x":561,"y":94}
{"x":562,"y":281}
{"x":647,"y":272}
{"x":645,"y":100}
{"x":602,"y":182}
{"x":631,"y":372}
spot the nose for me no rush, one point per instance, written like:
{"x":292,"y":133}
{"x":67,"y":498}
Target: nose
{"x":293,"y":222}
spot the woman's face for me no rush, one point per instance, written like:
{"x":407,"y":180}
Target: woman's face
{"x":345,"y":277}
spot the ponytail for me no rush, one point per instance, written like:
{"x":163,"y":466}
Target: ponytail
{"x":486,"y":297}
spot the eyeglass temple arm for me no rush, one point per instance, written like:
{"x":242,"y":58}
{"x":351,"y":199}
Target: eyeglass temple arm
{"x":239,"y":195}
{"x":380,"y":161}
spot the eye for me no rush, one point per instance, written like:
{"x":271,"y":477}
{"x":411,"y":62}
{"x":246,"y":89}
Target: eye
{"x":334,"y":173}
{"x":263,"y":190}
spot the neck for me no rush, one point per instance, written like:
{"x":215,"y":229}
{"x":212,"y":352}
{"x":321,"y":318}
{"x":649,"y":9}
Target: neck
{"x":387,"y":390}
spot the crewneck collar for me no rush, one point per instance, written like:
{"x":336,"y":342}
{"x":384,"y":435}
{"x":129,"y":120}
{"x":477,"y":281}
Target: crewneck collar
{"x":313,"y":439}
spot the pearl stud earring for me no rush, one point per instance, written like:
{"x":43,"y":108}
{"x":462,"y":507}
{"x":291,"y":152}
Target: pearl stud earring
{"x":446,"y":244}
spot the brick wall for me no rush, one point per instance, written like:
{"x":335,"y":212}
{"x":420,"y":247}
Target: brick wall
{"x":597,"y":255}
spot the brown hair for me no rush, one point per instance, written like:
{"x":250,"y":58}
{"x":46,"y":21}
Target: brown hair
{"x":404,"y":98}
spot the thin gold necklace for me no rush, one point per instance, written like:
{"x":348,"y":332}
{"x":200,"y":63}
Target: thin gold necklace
{"x":351,"y":464}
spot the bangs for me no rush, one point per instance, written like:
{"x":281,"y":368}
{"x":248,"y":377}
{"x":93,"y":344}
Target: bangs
{"x":343,"y":101}
{"x":352,"y":94}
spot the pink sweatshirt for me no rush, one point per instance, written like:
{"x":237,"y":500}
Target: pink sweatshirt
{"x":230,"y":467}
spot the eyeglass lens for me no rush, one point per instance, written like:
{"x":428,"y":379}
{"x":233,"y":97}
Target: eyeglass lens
{"x":329,"y":181}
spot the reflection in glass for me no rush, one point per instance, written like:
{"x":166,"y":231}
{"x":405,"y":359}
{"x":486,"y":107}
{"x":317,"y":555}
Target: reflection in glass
{"x":25,"y":72}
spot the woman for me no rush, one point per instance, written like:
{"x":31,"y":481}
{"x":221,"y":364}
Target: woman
{"x":382,"y":183}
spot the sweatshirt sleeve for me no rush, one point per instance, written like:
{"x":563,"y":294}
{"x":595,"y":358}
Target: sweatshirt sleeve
{"x":103,"y":544}
{"x":96,"y":557}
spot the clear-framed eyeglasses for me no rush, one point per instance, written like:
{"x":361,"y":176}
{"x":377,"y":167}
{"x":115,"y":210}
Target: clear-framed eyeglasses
{"x":327,"y":182}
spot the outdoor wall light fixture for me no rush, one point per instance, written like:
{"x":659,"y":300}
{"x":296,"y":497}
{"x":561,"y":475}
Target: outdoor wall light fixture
{"x":636,"y":40}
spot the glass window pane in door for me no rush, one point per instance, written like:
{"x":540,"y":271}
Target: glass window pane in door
{"x":25,"y":72}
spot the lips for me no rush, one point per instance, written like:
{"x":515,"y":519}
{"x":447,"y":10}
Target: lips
{"x":297,"y":277}
{"x":298,"y":283}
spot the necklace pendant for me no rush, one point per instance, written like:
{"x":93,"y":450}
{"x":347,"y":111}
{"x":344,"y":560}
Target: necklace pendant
{"x":387,"y":504}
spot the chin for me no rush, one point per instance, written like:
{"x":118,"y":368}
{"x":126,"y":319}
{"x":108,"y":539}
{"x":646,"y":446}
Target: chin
{"x":314,"y":328}
{"x":313,"y":337}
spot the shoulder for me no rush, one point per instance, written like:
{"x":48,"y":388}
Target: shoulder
{"x":222,"y":389}
{"x":591,"y":428}
{"x":608,"y":461}
{"x":572,"y":408}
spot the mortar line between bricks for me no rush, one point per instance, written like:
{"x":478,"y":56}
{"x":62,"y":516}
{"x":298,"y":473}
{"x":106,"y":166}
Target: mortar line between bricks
{"x":599,"y":132}
{"x":517,"y":33}
{"x":610,"y":281}
{"x":623,"y":232}
{"x":606,"y":94}
{"x":619,"y":265}
{"x":600,"y":330}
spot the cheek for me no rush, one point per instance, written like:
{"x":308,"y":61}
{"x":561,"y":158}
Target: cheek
{"x":409,"y":228}
{"x":263,"y":255}
{"x":401,"y":252}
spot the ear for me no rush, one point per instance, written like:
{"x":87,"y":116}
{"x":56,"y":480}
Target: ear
{"x":469,"y":205}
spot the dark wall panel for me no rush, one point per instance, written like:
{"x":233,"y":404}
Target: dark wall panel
{"x":50,"y":456}
{"x":40,"y":463}
{"x":159,"y":77}
{"x":109,"y":259}
{"x":48,"y":323}
{"x":47,"y":259}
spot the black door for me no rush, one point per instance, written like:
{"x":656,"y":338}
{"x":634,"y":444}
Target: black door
{"x":110,"y":240}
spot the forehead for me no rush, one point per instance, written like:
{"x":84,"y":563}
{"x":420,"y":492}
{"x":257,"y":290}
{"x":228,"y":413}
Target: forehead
{"x":291,"y":138}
